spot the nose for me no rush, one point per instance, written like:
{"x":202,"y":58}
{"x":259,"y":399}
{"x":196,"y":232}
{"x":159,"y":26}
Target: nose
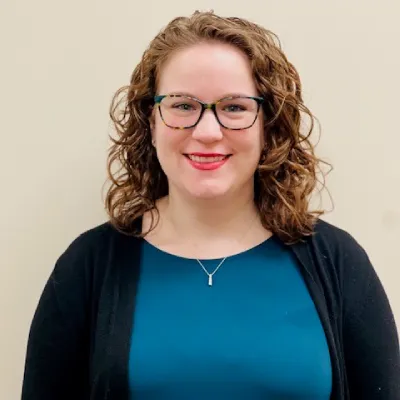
{"x":208,"y":129}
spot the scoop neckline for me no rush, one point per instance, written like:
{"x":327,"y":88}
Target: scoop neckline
{"x":234,"y":255}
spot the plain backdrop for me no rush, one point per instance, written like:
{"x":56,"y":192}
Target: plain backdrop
{"x":61,"y":62}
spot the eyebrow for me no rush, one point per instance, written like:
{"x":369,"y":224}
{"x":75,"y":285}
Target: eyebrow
{"x":230,"y":94}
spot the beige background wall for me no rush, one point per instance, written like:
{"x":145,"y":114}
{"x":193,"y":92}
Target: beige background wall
{"x":62,"y":61}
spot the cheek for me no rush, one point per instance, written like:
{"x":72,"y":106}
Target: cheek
{"x":250,"y":142}
{"x":169,"y":143}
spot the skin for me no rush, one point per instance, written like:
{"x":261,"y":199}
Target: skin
{"x":206,"y":72}
{"x":208,"y":206}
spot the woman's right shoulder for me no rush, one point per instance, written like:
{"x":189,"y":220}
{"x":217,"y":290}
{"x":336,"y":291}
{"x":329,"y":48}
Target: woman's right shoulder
{"x":95,"y":249}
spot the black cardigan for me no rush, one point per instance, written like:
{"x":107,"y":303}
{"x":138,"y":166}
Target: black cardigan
{"x":79,"y":341}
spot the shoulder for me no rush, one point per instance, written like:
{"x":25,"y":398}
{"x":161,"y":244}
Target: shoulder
{"x":339,"y":255}
{"x":88,"y":243}
{"x":325,"y":231}
{"x":91,"y":238}
{"x":335,"y":258}
{"x":336,"y":242}
{"x":94,"y":250}
{"x":98,"y":239}
{"x":334,"y":252}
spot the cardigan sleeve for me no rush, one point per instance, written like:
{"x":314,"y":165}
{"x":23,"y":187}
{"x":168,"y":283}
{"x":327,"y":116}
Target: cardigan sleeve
{"x":370,"y":336}
{"x":56,"y":365}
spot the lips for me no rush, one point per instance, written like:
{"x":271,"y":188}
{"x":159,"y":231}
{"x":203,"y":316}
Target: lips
{"x":207,"y":162}
{"x":207,"y":158}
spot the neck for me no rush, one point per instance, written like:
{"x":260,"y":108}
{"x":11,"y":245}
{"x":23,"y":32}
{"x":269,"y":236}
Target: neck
{"x":208,"y":219}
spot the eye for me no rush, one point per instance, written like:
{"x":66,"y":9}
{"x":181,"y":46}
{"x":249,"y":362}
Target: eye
{"x":234,"y":108}
{"x":183,"y":106}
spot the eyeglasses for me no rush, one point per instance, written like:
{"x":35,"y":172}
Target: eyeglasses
{"x":184,"y":112}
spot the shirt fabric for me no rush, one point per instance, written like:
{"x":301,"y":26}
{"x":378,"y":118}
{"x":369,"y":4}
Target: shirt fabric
{"x":80,"y":337}
{"x":254,"y":334}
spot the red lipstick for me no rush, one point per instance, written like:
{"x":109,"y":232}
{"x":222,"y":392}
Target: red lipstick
{"x":207,"y":161}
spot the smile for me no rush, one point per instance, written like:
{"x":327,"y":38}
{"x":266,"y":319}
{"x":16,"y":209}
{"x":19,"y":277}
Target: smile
{"x":207,"y":162}
{"x":206,"y":159}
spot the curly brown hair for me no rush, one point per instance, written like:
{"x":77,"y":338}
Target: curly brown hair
{"x":287,"y":174}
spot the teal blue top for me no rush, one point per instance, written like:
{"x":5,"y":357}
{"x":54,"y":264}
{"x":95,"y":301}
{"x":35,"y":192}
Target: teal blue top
{"x":253,"y":334}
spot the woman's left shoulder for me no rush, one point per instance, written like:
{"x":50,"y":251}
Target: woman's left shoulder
{"x":346,"y":264}
{"x":335,"y":251}
{"x":336,"y":241}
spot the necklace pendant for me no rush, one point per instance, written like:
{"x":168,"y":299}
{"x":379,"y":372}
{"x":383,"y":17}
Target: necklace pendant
{"x":210,"y":280}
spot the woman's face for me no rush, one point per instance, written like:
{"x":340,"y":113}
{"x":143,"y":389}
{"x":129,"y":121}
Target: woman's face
{"x":208,"y":160}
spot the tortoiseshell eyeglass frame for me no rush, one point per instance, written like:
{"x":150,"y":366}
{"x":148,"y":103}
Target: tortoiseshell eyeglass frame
{"x":209,"y":106}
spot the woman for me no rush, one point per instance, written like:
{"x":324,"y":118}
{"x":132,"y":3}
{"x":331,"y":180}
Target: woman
{"x":212,"y":279}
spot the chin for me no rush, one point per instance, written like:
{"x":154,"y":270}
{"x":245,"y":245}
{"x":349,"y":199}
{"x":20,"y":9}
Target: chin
{"x":207,"y":192}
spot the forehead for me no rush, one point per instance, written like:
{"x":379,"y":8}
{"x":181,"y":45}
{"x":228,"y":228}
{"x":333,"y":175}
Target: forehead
{"x":207,"y":71}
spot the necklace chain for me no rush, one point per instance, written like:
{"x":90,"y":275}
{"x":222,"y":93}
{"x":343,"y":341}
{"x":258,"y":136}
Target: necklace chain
{"x":210,"y":275}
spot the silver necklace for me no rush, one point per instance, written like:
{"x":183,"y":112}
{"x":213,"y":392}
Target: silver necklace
{"x":210,"y":275}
